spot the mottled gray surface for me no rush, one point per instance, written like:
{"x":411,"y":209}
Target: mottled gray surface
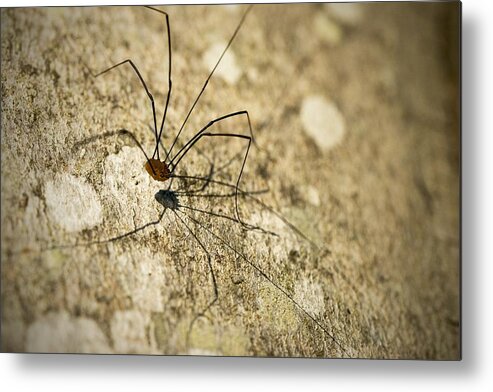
{"x":372,"y":181}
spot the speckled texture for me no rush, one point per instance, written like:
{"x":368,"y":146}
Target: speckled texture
{"x":380,"y":206}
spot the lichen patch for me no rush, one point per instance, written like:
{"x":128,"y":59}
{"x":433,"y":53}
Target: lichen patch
{"x":275,"y":309}
{"x":322,"y":122}
{"x":128,"y":189}
{"x":206,"y":338}
{"x":72,"y":203}
{"x":145,"y":277}
{"x":346,"y":13}
{"x":310,"y":296}
{"x":327,"y":30}
{"x":278,"y":246}
{"x":57,"y":332}
{"x":129,"y":332}
{"x":228,"y":69}
{"x":312,"y":196}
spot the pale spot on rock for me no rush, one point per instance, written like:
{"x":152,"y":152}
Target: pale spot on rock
{"x":275,"y":309}
{"x":72,"y":203}
{"x":201,"y":352}
{"x":228,"y":69}
{"x":13,"y":333}
{"x":252,"y":75}
{"x":310,"y":296}
{"x":312,"y":196}
{"x":323,"y":122}
{"x":125,"y":177}
{"x":207,"y":339}
{"x":347,"y":13}
{"x":233,"y":8}
{"x":129,"y":332}
{"x":144,"y":279}
{"x":278,"y":246}
{"x":59,"y":333}
{"x":327,"y":30}
{"x":129,"y":190}
{"x":53,"y":262}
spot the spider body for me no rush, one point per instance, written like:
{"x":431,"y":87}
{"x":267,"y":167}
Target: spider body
{"x":157,"y":169}
{"x":168,"y":199}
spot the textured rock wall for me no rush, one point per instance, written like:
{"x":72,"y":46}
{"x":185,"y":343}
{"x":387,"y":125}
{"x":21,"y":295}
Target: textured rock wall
{"x":354,"y":108}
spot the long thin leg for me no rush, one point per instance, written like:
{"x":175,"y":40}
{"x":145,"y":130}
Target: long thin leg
{"x":123,"y":132}
{"x":213,"y":277}
{"x":220,"y":169}
{"x":160,"y":141}
{"x":269,"y":279}
{"x":212,"y":171}
{"x":149,"y":95}
{"x":182,"y":152}
{"x":208,"y":180}
{"x":259,"y":202}
{"x":217,"y":195}
{"x":226,"y":217}
{"x":170,"y":83}
{"x":202,"y":187}
{"x":208,"y":78}
{"x":208,"y":134}
{"x":217,"y":182}
{"x":112,"y":239}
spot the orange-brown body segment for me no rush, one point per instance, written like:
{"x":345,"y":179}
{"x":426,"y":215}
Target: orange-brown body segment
{"x":159,"y":170}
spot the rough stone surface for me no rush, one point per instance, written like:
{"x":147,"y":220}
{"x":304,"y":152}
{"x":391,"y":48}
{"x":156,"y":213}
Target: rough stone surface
{"x":372,"y":245}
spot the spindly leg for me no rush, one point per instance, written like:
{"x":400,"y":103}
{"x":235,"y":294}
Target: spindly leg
{"x":247,"y":138}
{"x":183,"y":151}
{"x":273,"y":282}
{"x":202,"y":133}
{"x":213,"y":278}
{"x":112,"y":239}
{"x":208,"y":78}
{"x":250,"y":195}
{"x":123,"y":132}
{"x":149,"y":95}
{"x":170,"y":84}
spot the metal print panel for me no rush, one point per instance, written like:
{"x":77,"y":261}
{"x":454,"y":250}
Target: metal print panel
{"x":240,"y":180}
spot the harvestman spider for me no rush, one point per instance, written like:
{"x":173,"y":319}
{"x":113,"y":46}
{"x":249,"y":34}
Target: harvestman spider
{"x":165,"y":171}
